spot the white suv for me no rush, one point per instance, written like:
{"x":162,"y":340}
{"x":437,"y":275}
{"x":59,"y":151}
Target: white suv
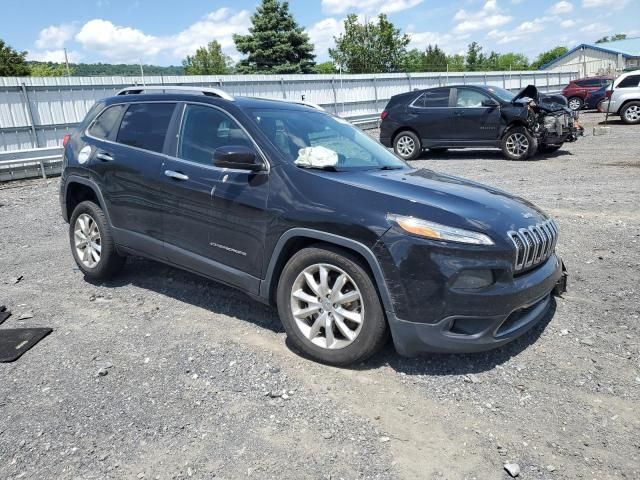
{"x":625,"y":98}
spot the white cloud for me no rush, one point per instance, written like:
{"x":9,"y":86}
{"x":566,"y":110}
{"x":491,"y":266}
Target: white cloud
{"x":489,"y":17}
{"x":127,"y":44}
{"x":55,"y":56}
{"x":523,"y":31}
{"x":560,"y":8}
{"x":446,"y":41}
{"x":322,"y":34}
{"x":617,"y":5}
{"x":54,"y":36}
{"x":567,"y":23}
{"x":596,"y":28}
{"x":334,"y":7}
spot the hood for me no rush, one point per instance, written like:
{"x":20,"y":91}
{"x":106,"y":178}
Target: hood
{"x":439,"y":197}
{"x":547,"y":102}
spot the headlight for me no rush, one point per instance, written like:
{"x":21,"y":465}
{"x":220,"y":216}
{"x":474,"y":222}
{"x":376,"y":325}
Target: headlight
{"x":435,"y":231}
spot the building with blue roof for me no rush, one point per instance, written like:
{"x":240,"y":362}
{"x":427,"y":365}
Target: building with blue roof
{"x":599,"y":58}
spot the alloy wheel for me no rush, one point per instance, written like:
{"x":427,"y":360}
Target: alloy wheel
{"x":327,"y":306}
{"x":632,"y":114}
{"x":575,"y":104}
{"x":86,"y":237}
{"x":406,"y":146}
{"x":517,"y":144}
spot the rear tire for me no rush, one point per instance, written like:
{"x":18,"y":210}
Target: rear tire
{"x":518,"y":144}
{"x":339,"y":320}
{"x":407,"y":145}
{"x":92,"y":244}
{"x":575,"y":103}
{"x":630,"y":113}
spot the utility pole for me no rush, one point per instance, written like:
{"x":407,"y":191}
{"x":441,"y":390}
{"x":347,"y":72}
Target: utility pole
{"x":142,"y":74}
{"x":66,"y":61}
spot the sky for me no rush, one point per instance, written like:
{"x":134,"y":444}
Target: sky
{"x":163,"y":32}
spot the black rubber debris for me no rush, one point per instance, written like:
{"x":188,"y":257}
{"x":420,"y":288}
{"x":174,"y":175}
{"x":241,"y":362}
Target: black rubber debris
{"x":4,"y":314}
{"x":14,"y":342}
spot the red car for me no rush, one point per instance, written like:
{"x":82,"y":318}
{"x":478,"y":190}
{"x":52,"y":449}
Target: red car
{"x":576,"y":92}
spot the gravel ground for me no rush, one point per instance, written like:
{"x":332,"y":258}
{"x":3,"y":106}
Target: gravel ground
{"x":161,"y":374}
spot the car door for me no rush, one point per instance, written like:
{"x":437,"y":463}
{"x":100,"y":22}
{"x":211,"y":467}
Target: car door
{"x":129,"y":161}
{"x":214,"y":218}
{"x":473,"y":122}
{"x":429,"y":114}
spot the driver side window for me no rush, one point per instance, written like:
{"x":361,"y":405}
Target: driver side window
{"x":468,"y":98}
{"x":204,"y":129}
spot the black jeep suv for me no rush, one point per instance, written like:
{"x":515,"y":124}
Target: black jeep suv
{"x":298,"y":208}
{"x":462,"y":116}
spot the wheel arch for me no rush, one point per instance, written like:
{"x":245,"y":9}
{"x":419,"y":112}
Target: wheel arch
{"x":296,"y":239}
{"x":627,"y":102}
{"x":514,"y":124}
{"x":79,"y":189}
{"x":399,"y":130}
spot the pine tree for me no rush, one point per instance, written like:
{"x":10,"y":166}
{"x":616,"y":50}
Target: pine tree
{"x":275,"y":43}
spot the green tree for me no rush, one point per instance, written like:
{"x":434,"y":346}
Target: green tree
{"x":548,"y":56}
{"x":475,"y":59}
{"x":435,"y":60}
{"x":370,"y":47}
{"x":456,"y":63}
{"x":275,"y":43}
{"x":49,"y":69}
{"x":414,"y":61}
{"x":612,"y":38}
{"x":207,"y":60}
{"x":325,"y":67}
{"x":12,"y":63}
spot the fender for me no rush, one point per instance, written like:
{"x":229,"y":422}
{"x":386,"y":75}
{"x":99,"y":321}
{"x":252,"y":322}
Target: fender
{"x":93,"y":186}
{"x":372,"y":261}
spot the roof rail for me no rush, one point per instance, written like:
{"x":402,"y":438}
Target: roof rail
{"x":209,"y":91}
{"x":298,"y":102}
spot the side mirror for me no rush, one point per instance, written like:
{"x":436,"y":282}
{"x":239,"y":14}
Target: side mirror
{"x":490,"y":102}
{"x":238,"y":157}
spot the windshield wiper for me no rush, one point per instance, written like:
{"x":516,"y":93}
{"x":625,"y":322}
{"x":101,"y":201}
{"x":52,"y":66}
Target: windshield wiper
{"x":326,"y":168}
{"x":389,"y":167}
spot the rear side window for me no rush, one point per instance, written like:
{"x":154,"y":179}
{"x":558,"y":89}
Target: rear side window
{"x":145,"y":125}
{"x":106,"y":122}
{"x":438,"y":97}
{"x":629,"y":82}
{"x":204,"y":129}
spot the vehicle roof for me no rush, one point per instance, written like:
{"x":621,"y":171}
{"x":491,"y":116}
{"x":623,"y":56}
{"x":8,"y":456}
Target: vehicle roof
{"x":241,"y":102}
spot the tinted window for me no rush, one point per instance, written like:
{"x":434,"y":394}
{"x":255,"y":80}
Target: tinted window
{"x":106,"y":122}
{"x":144,"y":125}
{"x":468,"y":98}
{"x":589,"y":82}
{"x":204,"y":129}
{"x":629,"y":82}
{"x":438,"y":97}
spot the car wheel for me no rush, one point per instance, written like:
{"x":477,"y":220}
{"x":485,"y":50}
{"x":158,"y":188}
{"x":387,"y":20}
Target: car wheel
{"x":329,"y":307}
{"x":518,"y":144}
{"x":630,"y":113}
{"x":545,"y":148}
{"x":575,"y":103}
{"x":438,"y":149}
{"x":92,"y":244}
{"x":407,"y":145}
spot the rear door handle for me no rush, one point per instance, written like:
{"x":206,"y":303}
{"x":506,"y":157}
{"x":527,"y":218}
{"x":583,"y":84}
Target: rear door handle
{"x":176,"y":175}
{"x":105,"y":157}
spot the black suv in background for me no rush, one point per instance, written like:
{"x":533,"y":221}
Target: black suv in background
{"x":463,"y":116}
{"x":298,"y":208}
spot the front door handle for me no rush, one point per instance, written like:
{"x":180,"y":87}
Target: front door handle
{"x":176,"y":175}
{"x":104,"y":156}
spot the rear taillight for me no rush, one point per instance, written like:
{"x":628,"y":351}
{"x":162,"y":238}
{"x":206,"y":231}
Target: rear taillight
{"x":384,"y":115}
{"x":65,"y":140}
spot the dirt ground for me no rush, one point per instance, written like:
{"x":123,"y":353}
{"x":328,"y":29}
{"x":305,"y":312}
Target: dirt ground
{"x":200,"y":381}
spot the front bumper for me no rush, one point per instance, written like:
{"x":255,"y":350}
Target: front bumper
{"x":526,"y":301}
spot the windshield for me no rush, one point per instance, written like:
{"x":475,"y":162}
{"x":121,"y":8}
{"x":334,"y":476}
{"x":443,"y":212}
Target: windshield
{"x":319,"y":140}
{"x":502,"y":93}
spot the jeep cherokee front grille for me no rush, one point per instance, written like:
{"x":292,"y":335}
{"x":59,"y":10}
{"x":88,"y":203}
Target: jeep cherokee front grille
{"x":534,"y":244}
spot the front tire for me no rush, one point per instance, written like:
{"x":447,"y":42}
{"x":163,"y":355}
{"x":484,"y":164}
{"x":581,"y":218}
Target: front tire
{"x":407,"y":145}
{"x":575,"y":103}
{"x":518,"y":144}
{"x":630,"y":113}
{"x":92,"y":243}
{"x":330,"y":308}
